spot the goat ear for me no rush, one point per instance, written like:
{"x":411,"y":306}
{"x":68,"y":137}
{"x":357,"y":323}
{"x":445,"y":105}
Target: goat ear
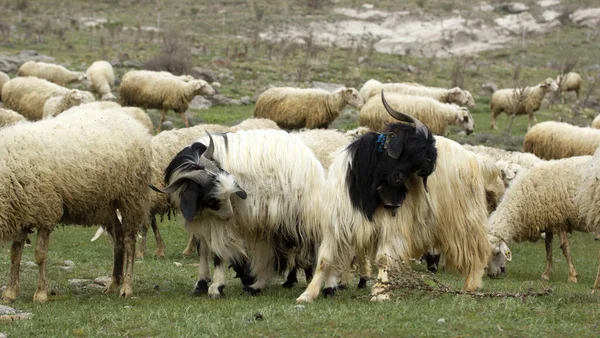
{"x":188,"y":202}
{"x":395,"y":145}
{"x":241,"y":193}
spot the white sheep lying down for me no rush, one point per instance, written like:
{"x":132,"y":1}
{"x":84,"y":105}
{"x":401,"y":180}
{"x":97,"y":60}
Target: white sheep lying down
{"x":83,"y":168}
{"x":275,"y":179}
{"x":434,"y":114}
{"x":51,"y":72}
{"x":541,"y":199}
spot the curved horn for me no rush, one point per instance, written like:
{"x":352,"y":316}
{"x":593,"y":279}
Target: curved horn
{"x":211,"y":146}
{"x":403,"y":117}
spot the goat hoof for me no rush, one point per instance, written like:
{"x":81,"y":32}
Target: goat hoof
{"x":289,"y":284}
{"x":342,"y":287}
{"x":362,"y":283}
{"x":216,"y":291}
{"x":252,"y":291}
{"x":201,"y":288}
{"x":328,"y":292}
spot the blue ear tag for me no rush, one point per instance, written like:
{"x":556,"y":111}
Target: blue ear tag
{"x":381,"y":141}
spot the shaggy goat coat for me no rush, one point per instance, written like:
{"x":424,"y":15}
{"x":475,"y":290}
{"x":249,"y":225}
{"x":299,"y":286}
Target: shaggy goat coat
{"x":28,"y":95}
{"x":102,"y":78}
{"x":51,"y":72}
{"x":541,"y":199}
{"x":282,"y":179}
{"x":554,"y":140}
{"x":77,"y":168}
{"x":9,"y":117}
{"x":295,"y":108}
{"x":434,"y":114}
{"x":443,"y":218}
{"x":454,"y":95}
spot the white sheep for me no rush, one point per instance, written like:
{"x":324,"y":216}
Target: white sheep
{"x":277,"y":215}
{"x":295,"y":108}
{"x":58,"y":104}
{"x":374,"y":203}
{"x":51,"y":72}
{"x":9,"y":117}
{"x":3,"y":79}
{"x":324,"y":143}
{"x":553,"y":140}
{"x":112,"y":107}
{"x":150,"y":90}
{"x":101,"y":76}
{"x":454,"y":95}
{"x":434,"y":114}
{"x":596,"y":122}
{"x":28,"y":95}
{"x":517,"y":101}
{"x":83,"y":168}
{"x":541,"y":199}
{"x":569,"y":83}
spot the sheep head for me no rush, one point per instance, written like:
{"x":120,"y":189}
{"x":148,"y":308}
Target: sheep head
{"x":464,"y":119}
{"x":197,"y":183}
{"x":500,"y":254}
{"x":81,"y":76}
{"x":461,"y":97}
{"x":549,"y":85}
{"x":202,"y":87}
{"x":352,"y":97}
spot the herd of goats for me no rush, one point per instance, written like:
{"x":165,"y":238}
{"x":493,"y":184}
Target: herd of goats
{"x":281,"y":192}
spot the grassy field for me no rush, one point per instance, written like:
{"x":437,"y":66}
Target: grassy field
{"x":207,"y":33}
{"x":163,"y":306}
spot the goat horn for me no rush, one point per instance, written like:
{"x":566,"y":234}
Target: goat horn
{"x":404,"y":117}
{"x":211,"y":146}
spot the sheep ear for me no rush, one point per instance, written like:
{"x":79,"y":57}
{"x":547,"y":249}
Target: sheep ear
{"x":505,"y":250}
{"x":188,"y":202}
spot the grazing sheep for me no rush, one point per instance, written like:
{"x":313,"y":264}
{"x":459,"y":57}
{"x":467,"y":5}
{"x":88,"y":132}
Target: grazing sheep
{"x":58,"y":104}
{"x":520,"y":102}
{"x":455,"y":95}
{"x":3,"y":79}
{"x":569,"y":83}
{"x":553,"y":140}
{"x":51,"y":72}
{"x":81,"y":168}
{"x":9,"y":117}
{"x":277,"y":216}
{"x":541,"y":199}
{"x":252,"y":124}
{"x":596,"y":122}
{"x":148,"y":90}
{"x":28,"y":95}
{"x":102,"y":78}
{"x":434,"y":114}
{"x":587,"y":200}
{"x":324,"y":143}
{"x":373,"y":203}
{"x":295,"y":108}
{"x":111,"y":107}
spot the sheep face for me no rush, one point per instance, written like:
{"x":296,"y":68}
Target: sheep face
{"x":353,"y":98}
{"x":198,"y":184}
{"x":461,"y":97}
{"x":81,"y":76}
{"x":549,"y":85}
{"x":465,"y":120}
{"x":202,"y":87}
{"x":508,"y":171}
{"x":500,"y":254}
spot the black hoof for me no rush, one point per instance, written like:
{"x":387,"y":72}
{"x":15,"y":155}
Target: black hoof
{"x":342,"y":287}
{"x":220,"y":289}
{"x":201,"y":287}
{"x":432,"y":268}
{"x":252,"y":291}
{"x":289,"y":284}
{"x":362,"y":283}
{"x":328,"y":292}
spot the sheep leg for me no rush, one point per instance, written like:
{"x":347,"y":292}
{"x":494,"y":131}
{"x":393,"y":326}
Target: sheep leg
{"x":564,"y":245}
{"x":12,"y":289}
{"x":141,"y":249}
{"x":597,"y":282}
{"x":160,"y":244}
{"x":203,"y":269}
{"x":216,"y":288}
{"x":41,"y":259}
{"x":118,"y":256}
{"x":163,"y":114}
{"x":185,"y":119}
{"x":548,"y":242}
{"x":191,"y":246}
{"x":127,"y":287}
{"x":493,"y":125}
{"x":512,"y":117}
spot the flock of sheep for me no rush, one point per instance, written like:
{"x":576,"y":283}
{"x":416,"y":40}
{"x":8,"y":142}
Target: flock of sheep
{"x":281,"y":192}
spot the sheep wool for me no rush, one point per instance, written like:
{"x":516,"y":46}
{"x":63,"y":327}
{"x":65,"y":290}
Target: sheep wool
{"x":28,"y":95}
{"x":51,"y":72}
{"x":9,"y":117}
{"x":434,"y":114}
{"x":101,"y":76}
{"x":295,"y":108}
{"x":324,"y":143}
{"x":596,"y":122}
{"x":57,"y":104}
{"x":109,"y":107}
{"x":570,"y":82}
{"x":83,"y":168}
{"x":3,"y":79}
{"x":554,"y":140}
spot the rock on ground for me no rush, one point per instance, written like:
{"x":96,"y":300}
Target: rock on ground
{"x":199,"y":102}
{"x":330,"y":87}
{"x":515,"y":7}
{"x":11,"y":63}
{"x":589,"y":17}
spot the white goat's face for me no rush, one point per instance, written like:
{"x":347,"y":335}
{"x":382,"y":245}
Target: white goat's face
{"x":500,"y":254}
{"x":220,"y":202}
{"x":353,"y":98}
{"x":465,"y":120}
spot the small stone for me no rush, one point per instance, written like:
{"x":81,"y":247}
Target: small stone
{"x":200,"y":102}
{"x":167,"y":125}
{"x":368,"y":6}
{"x":299,"y":307}
{"x":79,"y":282}
{"x":3,"y":335}
{"x":177,"y":264}
{"x":128,"y":307}
{"x":66,"y":268}
{"x":515,"y":7}
{"x":68,"y":263}
{"x":30,"y":264}
{"x":7,"y":310}
{"x":245,"y":100}
{"x":104,"y":280}
{"x":441,"y":321}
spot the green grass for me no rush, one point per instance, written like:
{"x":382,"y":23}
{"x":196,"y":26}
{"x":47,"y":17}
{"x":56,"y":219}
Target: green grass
{"x":163,"y":306}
